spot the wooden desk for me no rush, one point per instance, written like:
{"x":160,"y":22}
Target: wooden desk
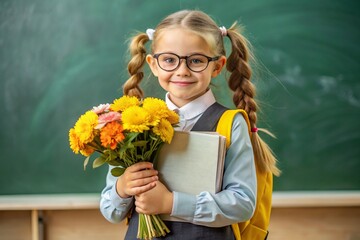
{"x":318,"y":215}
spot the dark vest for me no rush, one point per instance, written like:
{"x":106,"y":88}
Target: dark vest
{"x":208,"y":121}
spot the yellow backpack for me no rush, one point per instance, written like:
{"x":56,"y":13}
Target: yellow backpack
{"x":257,"y":227}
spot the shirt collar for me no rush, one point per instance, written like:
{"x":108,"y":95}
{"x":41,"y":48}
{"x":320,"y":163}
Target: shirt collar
{"x":193,"y":108}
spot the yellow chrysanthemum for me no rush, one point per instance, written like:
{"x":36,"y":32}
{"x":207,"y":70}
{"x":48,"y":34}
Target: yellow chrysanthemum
{"x":154,"y":104}
{"x":157,"y":109}
{"x":75,"y":144}
{"x":87,"y":151}
{"x":165,"y":130}
{"x":84,"y":127}
{"x":119,"y":105}
{"x":172,"y":117}
{"x":135,"y":119}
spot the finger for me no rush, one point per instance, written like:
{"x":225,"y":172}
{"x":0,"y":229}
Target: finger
{"x":140,"y":166}
{"x":143,"y":175}
{"x":139,"y":182}
{"x":138,"y":190}
{"x":141,"y":208}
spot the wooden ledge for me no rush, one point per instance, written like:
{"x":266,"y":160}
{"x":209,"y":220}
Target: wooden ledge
{"x":316,"y":199}
{"x":50,"y":201}
{"x":91,"y":200}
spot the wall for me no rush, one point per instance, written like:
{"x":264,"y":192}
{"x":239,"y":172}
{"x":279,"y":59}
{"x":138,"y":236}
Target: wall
{"x":60,"y":58}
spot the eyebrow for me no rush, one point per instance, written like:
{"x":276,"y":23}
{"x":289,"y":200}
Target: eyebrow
{"x":192,"y":53}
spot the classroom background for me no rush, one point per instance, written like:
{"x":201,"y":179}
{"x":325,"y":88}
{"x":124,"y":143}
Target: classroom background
{"x":58,"y":59}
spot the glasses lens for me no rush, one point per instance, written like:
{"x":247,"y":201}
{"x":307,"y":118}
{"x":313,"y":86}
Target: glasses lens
{"x":197,"y":63}
{"x":168,"y":61}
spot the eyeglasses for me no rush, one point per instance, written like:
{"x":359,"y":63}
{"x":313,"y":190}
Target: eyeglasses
{"x":195,"y":62}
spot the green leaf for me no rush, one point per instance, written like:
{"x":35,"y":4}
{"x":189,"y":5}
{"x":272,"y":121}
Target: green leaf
{"x":98,"y":162}
{"x":86,"y":161}
{"x":130,"y":137}
{"x":117,"y":171}
{"x":115,"y":162}
{"x":111,"y":157}
{"x":127,"y":145}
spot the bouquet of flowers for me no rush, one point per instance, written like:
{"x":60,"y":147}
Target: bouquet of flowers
{"x":123,"y":133}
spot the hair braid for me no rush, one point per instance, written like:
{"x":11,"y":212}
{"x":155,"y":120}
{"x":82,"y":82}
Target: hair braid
{"x":138,"y":53}
{"x":244,"y":96}
{"x":239,"y":80}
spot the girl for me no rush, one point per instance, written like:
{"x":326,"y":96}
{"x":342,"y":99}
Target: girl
{"x":187,"y":51}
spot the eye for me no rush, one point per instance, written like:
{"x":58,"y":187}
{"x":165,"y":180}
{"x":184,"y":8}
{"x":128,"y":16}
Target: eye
{"x":168,"y":59}
{"x":196,"y":60}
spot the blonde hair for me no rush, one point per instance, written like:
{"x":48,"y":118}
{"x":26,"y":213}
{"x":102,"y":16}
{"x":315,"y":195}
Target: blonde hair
{"x":237,"y":64}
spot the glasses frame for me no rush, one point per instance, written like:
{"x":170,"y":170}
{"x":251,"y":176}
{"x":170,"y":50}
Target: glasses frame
{"x":210,"y":59}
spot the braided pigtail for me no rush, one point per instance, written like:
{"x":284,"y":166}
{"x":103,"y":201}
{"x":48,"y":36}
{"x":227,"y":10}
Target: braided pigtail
{"x":244,"y":97}
{"x":135,"y":65}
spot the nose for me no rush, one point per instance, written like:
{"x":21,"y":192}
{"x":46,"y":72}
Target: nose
{"x":183,"y":69}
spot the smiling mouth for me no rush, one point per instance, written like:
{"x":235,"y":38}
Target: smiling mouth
{"x":182,"y":83}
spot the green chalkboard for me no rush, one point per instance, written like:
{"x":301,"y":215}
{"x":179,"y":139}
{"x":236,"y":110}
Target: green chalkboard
{"x":60,"y":58}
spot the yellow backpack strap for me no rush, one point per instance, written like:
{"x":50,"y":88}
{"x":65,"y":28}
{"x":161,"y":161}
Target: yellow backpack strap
{"x":225,"y":123}
{"x":224,"y":128}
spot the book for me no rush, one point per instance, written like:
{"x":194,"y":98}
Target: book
{"x":192,"y":163}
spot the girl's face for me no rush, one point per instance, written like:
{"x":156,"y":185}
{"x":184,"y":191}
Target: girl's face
{"x":183,"y":84}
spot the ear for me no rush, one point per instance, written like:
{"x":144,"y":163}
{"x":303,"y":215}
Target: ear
{"x":218,"y":66}
{"x":152,"y":64}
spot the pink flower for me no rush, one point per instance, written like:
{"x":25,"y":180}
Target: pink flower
{"x":101,"y":108}
{"x":106,"y":118}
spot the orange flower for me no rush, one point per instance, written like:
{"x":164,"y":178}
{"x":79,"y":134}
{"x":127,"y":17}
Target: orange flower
{"x":111,"y":135}
{"x":87,"y":151}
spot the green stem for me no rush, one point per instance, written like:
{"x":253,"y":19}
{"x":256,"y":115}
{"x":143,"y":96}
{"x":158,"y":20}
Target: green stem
{"x":148,"y":226}
{"x":159,"y":225}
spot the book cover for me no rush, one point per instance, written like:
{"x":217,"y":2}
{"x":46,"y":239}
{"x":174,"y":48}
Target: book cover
{"x":192,"y":163}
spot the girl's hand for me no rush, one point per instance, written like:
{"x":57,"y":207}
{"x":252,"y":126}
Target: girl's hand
{"x":137,"y":179}
{"x":158,"y":200}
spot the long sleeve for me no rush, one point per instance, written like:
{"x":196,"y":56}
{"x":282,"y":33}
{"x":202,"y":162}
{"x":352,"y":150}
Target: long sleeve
{"x":112,"y":206}
{"x":237,"y":200}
